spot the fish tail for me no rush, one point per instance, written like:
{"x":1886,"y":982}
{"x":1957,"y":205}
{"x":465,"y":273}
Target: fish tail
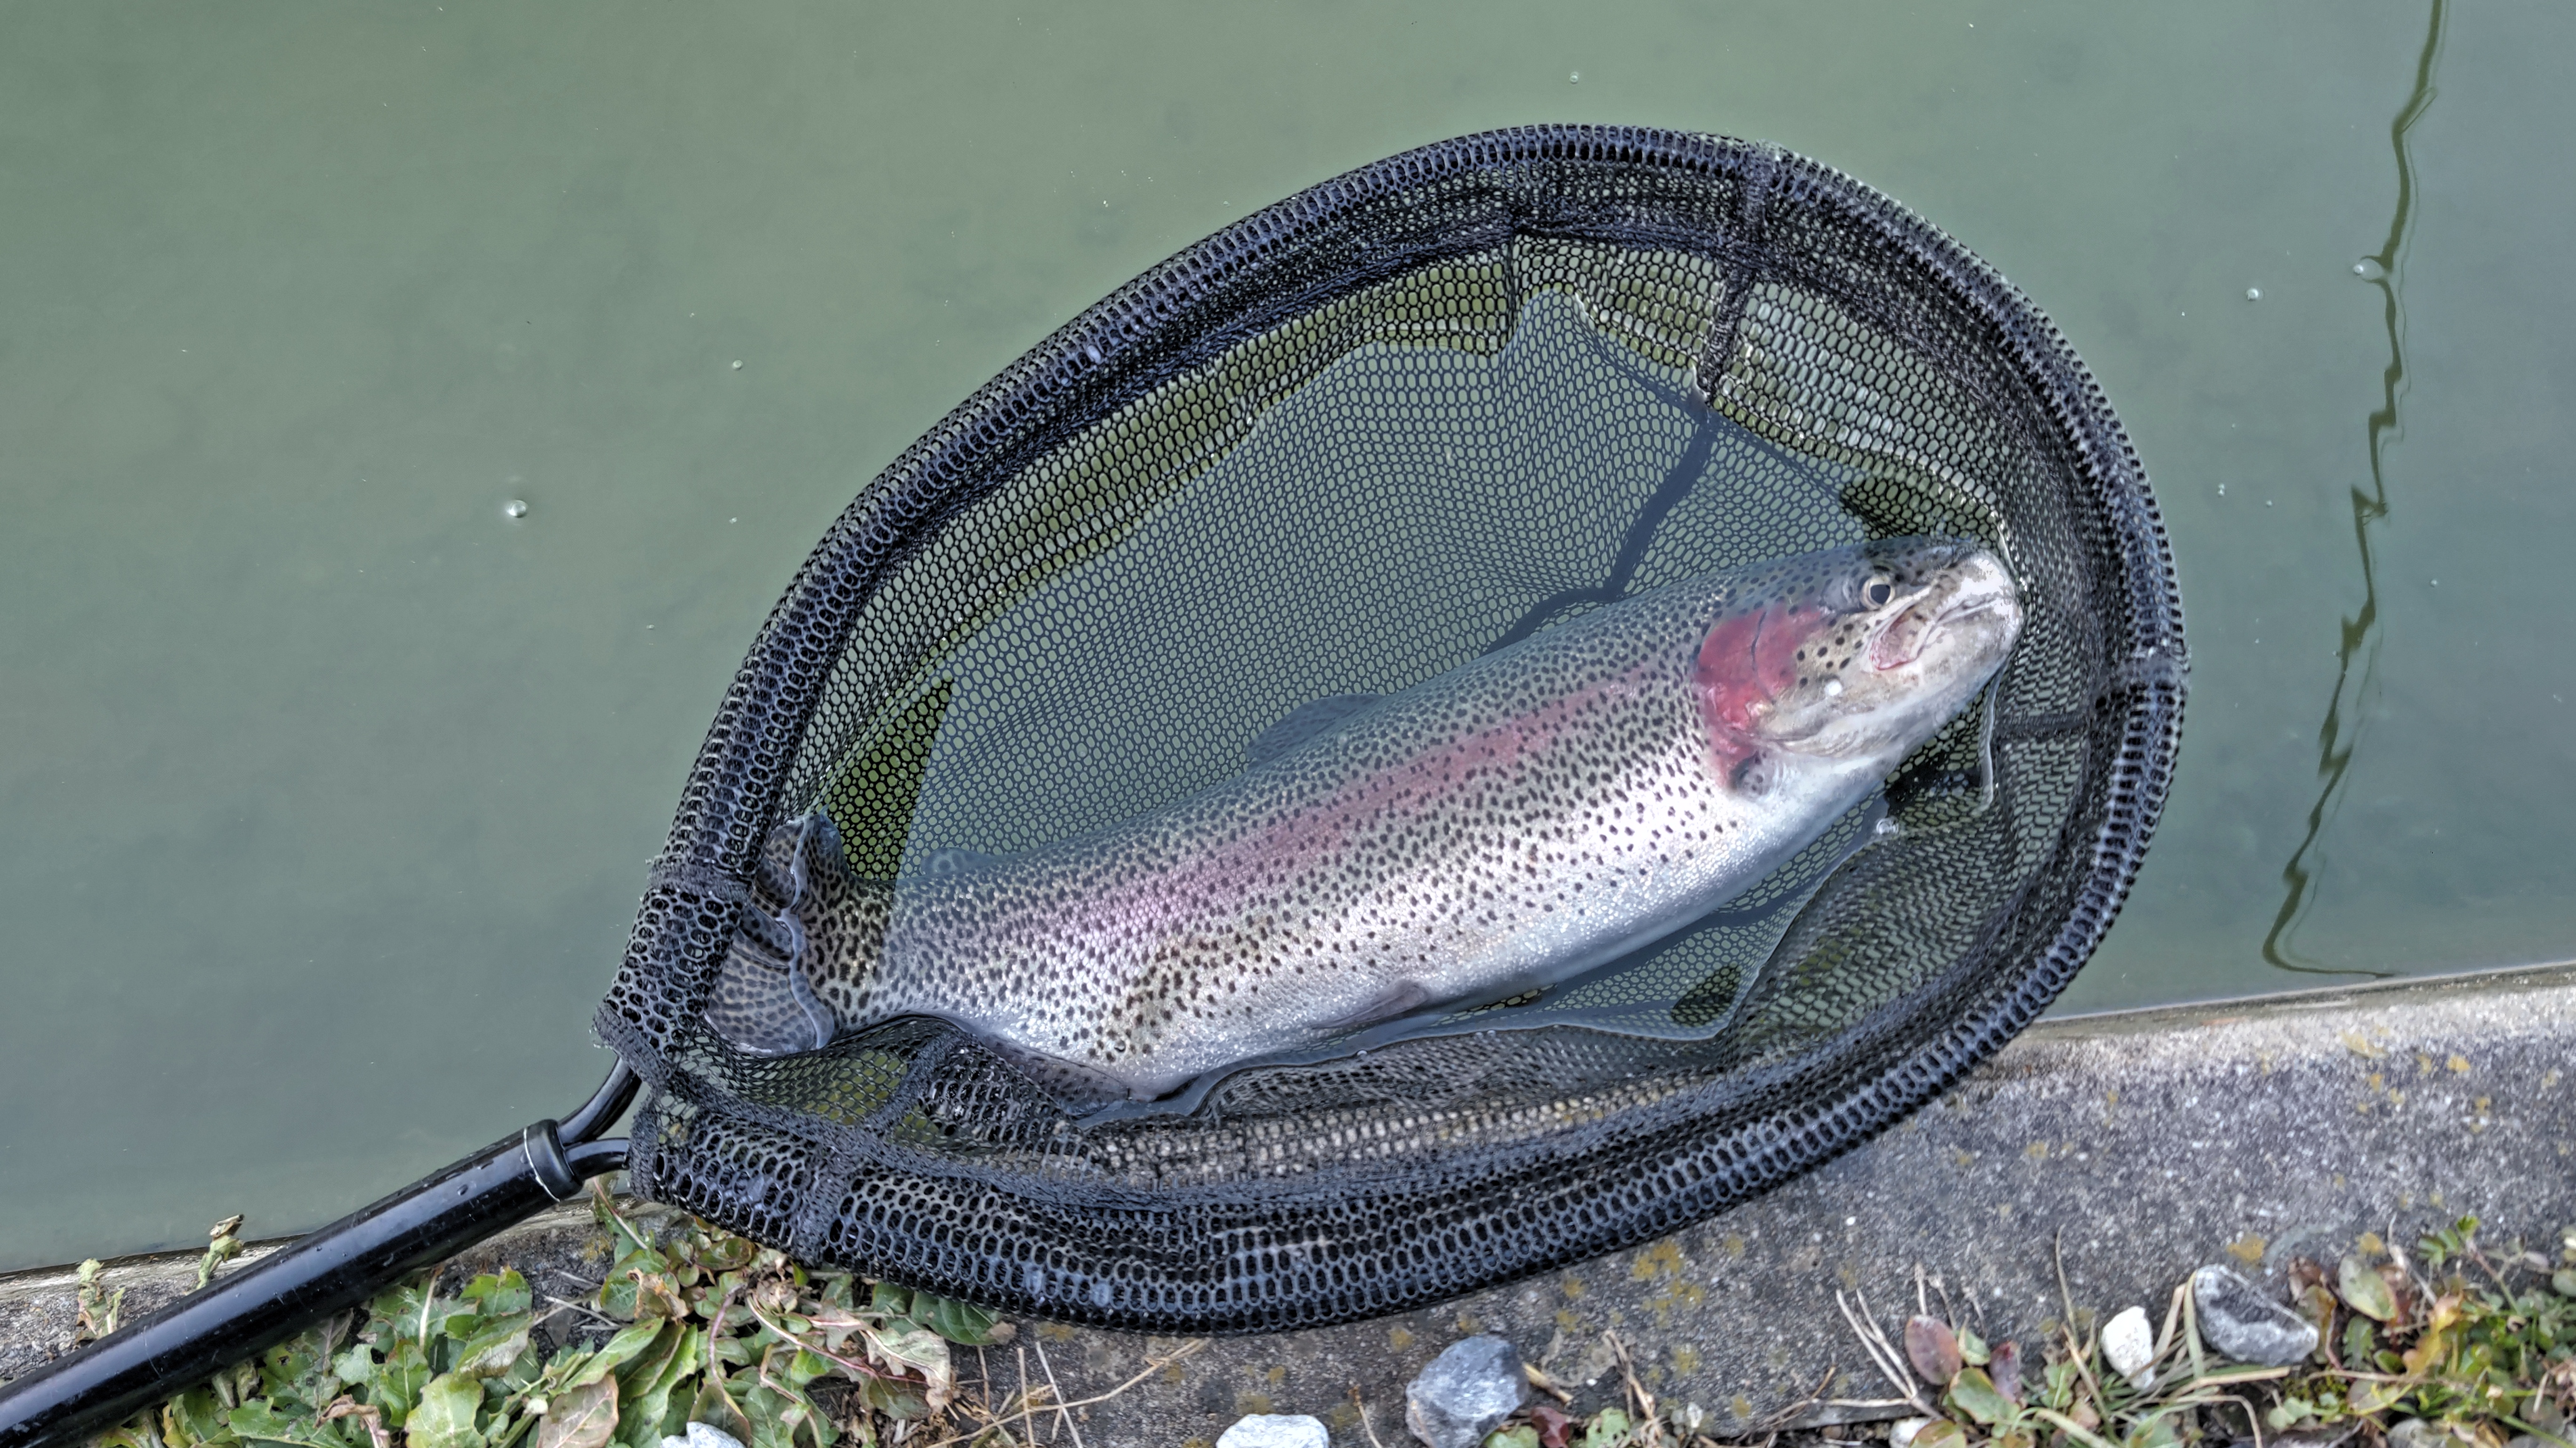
{"x":801,"y":966}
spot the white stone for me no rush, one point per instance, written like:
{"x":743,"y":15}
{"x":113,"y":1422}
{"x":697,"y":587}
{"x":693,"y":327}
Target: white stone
{"x":702,"y":1435}
{"x":1276,"y":1430}
{"x":2130,"y":1345}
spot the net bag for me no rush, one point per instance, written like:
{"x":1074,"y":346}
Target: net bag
{"x":1352,"y":442}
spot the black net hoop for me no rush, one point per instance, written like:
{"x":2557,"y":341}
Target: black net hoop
{"x":1395,"y":421}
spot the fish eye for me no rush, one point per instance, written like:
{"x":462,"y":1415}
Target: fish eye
{"x":1878,"y":590}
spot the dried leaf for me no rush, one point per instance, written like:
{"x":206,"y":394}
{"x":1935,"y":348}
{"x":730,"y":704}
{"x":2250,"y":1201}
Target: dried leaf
{"x":1554,"y":1427}
{"x":919,"y":1349}
{"x":371,"y":1418}
{"x":2005,"y":1370}
{"x":2317,"y":1305}
{"x":1932,"y":1348}
{"x":2364,"y":1290}
{"x":581,"y":1417}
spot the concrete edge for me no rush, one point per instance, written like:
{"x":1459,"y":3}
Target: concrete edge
{"x":2146,"y":1142}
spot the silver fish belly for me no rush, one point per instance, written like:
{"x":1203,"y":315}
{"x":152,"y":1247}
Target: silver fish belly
{"x":1496,"y":828}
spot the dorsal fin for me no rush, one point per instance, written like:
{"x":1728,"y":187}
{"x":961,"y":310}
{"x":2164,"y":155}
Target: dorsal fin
{"x":1306,"y":721}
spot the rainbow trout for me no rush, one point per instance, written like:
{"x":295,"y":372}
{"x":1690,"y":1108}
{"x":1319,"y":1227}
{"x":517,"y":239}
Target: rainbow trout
{"x":1497,"y":828}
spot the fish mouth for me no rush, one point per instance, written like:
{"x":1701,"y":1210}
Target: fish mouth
{"x":1902,"y":639}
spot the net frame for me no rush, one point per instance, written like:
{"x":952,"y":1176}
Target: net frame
{"x":919,"y":1157}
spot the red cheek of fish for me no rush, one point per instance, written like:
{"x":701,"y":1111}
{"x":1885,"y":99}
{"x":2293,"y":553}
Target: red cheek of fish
{"x":1743,"y":664}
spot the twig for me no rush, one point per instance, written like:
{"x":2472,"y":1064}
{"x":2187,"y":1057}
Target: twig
{"x":1781,"y":1419}
{"x":2191,"y":1339}
{"x":2070,"y":1427}
{"x":2081,"y":1354}
{"x":1882,"y":1354}
{"x":1025,"y":1431}
{"x":1064,"y":1414}
{"x":1537,"y":1377}
{"x":1365,"y":1425}
{"x":856,"y":1368}
{"x":1152,"y":1366}
{"x":2173,"y":1319}
{"x":1644,"y":1401}
{"x":583,"y":1308}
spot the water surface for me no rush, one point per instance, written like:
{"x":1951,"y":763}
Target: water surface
{"x":330,"y":787}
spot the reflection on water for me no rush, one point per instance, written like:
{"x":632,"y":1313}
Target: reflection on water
{"x":2349,"y":706}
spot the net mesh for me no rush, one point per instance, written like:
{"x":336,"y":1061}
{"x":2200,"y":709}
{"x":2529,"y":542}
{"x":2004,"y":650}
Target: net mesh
{"x":1350,"y":443}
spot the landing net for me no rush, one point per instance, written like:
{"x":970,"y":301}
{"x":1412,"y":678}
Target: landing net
{"x":1347,"y":444}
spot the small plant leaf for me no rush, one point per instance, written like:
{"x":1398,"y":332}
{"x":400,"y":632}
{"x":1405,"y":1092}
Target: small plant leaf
{"x":197,"y":1417}
{"x":1972,"y":1348}
{"x":493,"y":1347}
{"x":2364,"y":1290}
{"x":1940,"y":1433}
{"x":1933,"y":1349}
{"x":647,"y":1397}
{"x":444,"y":1416}
{"x":398,"y":1381}
{"x":581,"y":1417}
{"x":713,"y":1408}
{"x":2370,"y":1397}
{"x":259,"y":1419}
{"x":1974,"y":1394}
{"x":957,"y":1321}
{"x":500,"y":1295}
{"x":1609,"y":1427}
{"x":1520,"y":1435}
{"x":619,"y":1350}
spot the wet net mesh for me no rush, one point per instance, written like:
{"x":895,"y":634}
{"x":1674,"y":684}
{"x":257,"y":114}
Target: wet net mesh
{"x":1354,"y":441}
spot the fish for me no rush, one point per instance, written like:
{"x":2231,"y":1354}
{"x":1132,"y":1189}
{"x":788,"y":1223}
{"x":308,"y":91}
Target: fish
{"x":1487,"y":832}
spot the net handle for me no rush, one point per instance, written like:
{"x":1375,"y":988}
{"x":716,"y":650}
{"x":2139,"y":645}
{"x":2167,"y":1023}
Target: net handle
{"x":324,"y":1272}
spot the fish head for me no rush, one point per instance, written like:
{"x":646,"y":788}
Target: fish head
{"x":1854,"y":653}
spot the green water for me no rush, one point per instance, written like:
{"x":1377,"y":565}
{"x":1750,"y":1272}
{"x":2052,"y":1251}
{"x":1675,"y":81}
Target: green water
{"x":329,"y":788}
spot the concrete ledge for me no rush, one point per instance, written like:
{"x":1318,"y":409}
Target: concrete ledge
{"x":40,"y":1309}
{"x":2150,"y":1142}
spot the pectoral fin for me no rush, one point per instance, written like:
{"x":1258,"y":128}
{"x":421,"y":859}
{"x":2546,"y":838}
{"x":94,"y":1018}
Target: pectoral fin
{"x":1386,"y":1005}
{"x":766,"y":1008}
{"x":1307,"y":721}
